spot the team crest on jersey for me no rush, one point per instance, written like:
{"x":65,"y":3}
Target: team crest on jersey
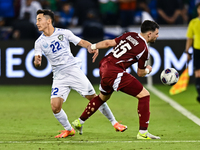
{"x":60,"y":37}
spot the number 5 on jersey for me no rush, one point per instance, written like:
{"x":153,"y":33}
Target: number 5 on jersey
{"x":121,"y":49}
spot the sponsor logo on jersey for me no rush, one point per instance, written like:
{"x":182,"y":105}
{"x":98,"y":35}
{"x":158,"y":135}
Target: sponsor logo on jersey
{"x":90,"y":91}
{"x":45,"y":45}
{"x":60,"y":37}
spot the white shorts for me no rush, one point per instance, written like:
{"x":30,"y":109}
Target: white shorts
{"x":71,"y":78}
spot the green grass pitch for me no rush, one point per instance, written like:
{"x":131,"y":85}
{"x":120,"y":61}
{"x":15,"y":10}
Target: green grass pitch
{"x":27,"y":122}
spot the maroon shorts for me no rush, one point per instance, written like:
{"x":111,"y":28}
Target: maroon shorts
{"x":114,"y":78}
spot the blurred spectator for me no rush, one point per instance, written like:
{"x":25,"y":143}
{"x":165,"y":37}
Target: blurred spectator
{"x":92,"y":27}
{"x":127,"y":12}
{"x":24,"y":29}
{"x":30,"y":6}
{"x":143,"y":5}
{"x":57,"y":20}
{"x":7,"y":11}
{"x":109,"y":10}
{"x":169,"y":12}
{"x":142,"y":12}
{"x":17,"y":5}
{"x":49,"y":4}
{"x":185,"y":11}
{"x":2,"y":22}
{"x":192,"y":11}
{"x":4,"y":31}
{"x":59,"y":3}
{"x":153,"y":8}
{"x":81,"y":8}
{"x":66,"y":14}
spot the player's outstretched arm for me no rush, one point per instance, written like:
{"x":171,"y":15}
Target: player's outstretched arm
{"x":104,"y":44}
{"x":94,"y":48}
{"x":84,"y":43}
{"x":87,"y":45}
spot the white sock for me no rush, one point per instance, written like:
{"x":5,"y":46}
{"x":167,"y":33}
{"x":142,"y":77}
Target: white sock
{"x":143,"y":131}
{"x":81,"y":121}
{"x":62,"y":118}
{"x":105,"y":110}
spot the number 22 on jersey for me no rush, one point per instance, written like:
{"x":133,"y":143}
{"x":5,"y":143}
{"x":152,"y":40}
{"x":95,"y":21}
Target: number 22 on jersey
{"x":55,"y":47}
{"x":54,"y":91}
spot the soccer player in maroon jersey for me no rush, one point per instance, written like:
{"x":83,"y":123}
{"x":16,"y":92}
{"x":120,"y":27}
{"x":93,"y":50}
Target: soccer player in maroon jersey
{"x":129,"y":48}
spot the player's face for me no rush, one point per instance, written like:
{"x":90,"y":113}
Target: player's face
{"x":42,"y":22}
{"x":153,"y":36}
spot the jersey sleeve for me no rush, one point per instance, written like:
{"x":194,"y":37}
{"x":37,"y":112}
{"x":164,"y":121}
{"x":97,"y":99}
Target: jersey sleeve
{"x":119,"y":38}
{"x":142,"y":62}
{"x":190,"y":32}
{"x":72,"y":38}
{"x":37,"y":49}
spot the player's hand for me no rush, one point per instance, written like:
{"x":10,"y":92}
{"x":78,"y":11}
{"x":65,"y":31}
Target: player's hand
{"x":149,"y":67}
{"x":37,"y":61}
{"x":89,"y":49}
{"x":96,"y":53}
{"x":189,"y":57}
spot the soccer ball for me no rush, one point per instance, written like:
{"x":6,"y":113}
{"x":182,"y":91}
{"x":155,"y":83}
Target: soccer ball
{"x":169,"y":76}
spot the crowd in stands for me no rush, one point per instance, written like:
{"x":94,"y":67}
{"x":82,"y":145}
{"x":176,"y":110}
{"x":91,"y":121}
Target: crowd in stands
{"x":18,"y":17}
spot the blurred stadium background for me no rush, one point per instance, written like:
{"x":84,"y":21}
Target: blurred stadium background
{"x":17,"y":57}
{"x":93,"y":20}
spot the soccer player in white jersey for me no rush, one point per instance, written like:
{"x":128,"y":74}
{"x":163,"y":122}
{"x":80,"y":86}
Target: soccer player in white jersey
{"x":67,"y":75}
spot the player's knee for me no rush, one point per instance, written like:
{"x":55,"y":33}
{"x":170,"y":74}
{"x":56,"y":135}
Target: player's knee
{"x":104,"y":97}
{"x":90,"y":97}
{"x":56,"y":106}
{"x":143,"y":93}
{"x":55,"y":109}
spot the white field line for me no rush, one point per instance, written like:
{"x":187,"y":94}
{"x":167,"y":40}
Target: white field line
{"x":175,"y":105}
{"x":74,"y":142}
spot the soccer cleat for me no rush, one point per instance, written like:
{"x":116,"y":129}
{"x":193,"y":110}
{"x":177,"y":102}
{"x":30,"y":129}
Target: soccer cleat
{"x":146,"y":136}
{"x":66,"y":133}
{"x":119,"y":127}
{"x":78,"y":126}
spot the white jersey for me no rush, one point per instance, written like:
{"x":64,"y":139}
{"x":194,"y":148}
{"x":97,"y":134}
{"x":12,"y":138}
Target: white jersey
{"x":57,"y":48}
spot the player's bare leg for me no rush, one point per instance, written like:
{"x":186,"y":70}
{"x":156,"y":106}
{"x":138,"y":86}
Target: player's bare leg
{"x":61,"y":116}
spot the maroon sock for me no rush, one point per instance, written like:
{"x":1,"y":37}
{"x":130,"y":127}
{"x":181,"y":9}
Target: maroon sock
{"x":143,"y":112}
{"x":91,"y":108}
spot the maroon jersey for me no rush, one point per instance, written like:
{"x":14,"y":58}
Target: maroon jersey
{"x":131,"y":48}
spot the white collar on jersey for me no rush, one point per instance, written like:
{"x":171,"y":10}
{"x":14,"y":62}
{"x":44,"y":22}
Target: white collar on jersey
{"x":50,"y":35}
{"x":143,"y":39}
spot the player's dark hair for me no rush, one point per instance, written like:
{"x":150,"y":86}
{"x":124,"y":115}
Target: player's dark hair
{"x":149,"y":25}
{"x":46,"y":12}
